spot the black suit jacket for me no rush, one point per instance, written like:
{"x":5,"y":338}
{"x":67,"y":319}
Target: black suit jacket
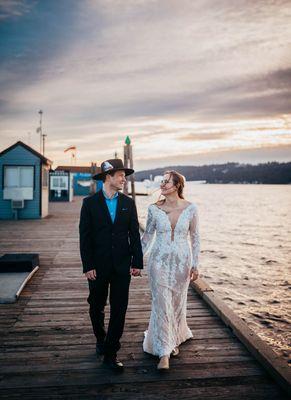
{"x":107,"y":246}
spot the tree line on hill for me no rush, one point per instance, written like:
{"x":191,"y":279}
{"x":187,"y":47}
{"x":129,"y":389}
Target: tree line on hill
{"x":267,"y":173}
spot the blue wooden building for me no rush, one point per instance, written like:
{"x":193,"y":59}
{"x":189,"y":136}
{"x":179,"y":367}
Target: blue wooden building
{"x":23,"y":182}
{"x":83,"y":185}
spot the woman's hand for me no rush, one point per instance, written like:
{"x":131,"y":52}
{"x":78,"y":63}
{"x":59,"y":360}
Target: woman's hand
{"x":194,"y":274}
{"x":91,"y":275}
{"x":135,"y":271}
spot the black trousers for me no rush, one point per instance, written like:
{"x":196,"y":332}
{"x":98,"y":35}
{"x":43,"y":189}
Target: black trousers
{"x":118,"y":285}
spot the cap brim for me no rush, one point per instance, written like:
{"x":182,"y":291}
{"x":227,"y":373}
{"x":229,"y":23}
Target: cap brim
{"x":100,"y":176}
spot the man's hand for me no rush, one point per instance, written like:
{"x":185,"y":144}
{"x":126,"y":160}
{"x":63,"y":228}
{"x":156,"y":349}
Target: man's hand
{"x":193,"y":274}
{"x":135,"y":272}
{"x":91,"y":275}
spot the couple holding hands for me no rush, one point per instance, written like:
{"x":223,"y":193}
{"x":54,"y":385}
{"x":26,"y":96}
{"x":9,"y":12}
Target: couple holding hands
{"x":112,"y":251}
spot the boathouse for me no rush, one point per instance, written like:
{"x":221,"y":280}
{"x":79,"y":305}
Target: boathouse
{"x":83,"y":184}
{"x":23,"y":183}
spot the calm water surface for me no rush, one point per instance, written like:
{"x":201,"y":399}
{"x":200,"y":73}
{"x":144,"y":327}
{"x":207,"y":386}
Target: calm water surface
{"x":246,"y":252}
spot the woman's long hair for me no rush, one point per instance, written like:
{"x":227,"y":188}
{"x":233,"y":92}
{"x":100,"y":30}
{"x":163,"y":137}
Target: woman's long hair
{"x":178,"y":181}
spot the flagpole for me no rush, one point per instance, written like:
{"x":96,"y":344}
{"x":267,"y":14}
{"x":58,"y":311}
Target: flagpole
{"x":40,"y":129}
{"x":43,"y":144}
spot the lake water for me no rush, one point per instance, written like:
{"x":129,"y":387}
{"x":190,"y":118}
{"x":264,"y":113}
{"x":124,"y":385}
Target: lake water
{"x":246,"y":252}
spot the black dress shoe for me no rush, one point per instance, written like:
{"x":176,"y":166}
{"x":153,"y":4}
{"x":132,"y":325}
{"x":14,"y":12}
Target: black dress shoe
{"x":100,"y":349}
{"x":113,"y":364}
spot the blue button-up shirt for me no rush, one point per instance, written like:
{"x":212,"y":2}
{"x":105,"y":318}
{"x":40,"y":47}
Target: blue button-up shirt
{"x":111,"y":204}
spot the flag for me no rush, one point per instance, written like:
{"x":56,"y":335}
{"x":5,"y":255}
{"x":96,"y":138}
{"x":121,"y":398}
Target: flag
{"x":70,"y":148}
{"x":38,"y":129}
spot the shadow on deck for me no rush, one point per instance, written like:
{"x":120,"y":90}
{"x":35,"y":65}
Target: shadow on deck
{"x":47,"y":344}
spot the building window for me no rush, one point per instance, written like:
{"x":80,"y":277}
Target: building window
{"x":44,"y":177}
{"x":18,"y":177}
{"x":59,"y":182}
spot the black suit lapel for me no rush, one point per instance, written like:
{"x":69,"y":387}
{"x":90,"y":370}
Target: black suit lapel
{"x":118,"y":208}
{"x":104,"y":206}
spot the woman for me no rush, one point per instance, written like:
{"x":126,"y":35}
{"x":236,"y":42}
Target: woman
{"x":170,"y":267}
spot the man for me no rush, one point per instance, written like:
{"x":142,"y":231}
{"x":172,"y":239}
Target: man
{"x":111,"y":252}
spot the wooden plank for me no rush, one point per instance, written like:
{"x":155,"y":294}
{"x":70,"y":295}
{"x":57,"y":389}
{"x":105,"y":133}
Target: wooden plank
{"x":201,"y":286}
{"x":48,"y":347}
{"x":200,"y":346}
{"x":86,"y":363}
{"x":131,"y":353}
{"x":256,"y":388}
{"x":272,"y":362}
{"x":86,"y":375}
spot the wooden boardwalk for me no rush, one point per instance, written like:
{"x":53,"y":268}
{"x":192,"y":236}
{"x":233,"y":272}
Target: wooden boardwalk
{"x":47,"y":344}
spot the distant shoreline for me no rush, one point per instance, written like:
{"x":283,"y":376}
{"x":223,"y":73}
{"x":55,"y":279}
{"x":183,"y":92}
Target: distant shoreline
{"x":271,"y":173}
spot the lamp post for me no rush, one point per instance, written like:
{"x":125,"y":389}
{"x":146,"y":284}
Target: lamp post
{"x":43,"y":143}
{"x":41,"y":135}
{"x":39,"y":129}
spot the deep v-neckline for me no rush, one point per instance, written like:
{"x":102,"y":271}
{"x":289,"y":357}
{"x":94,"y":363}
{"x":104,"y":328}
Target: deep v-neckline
{"x":178,"y":219}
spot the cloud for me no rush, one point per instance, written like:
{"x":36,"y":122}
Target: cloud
{"x":206,"y":136}
{"x":14,"y":8}
{"x":167,"y":73}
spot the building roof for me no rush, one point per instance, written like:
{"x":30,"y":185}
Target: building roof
{"x":76,"y":168}
{"x":36,"y":153}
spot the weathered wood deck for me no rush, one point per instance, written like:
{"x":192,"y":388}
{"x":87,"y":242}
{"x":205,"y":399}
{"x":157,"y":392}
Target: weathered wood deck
{"x":47,"y":344}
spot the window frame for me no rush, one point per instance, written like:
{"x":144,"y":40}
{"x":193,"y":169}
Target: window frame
{"x":18,"y":166}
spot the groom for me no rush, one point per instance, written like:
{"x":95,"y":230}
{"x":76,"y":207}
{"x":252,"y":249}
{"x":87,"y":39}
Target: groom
{"x":111,"y":252}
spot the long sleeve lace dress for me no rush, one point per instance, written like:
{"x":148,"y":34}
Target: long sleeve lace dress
{"x":170,"y":259}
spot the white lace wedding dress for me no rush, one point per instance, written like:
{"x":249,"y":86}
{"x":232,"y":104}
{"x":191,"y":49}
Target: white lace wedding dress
{"x":170,"y":259}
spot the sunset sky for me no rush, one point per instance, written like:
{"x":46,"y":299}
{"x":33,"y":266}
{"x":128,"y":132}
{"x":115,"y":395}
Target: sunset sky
{"x":191,"y":82}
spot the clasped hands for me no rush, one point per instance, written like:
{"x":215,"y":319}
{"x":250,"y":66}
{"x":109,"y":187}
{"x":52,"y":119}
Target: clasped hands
{"x":91,"y":275}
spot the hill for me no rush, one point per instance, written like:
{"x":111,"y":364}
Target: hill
{"x":267,"y":173}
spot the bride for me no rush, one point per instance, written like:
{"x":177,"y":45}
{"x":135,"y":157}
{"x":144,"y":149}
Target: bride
{"x":172,"y":263}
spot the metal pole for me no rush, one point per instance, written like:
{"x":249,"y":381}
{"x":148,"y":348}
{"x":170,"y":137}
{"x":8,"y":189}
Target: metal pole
{"x":43,"y":144}
{"x":40,"y":129}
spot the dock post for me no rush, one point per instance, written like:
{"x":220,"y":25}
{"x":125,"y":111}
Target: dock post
{"x":128,"y":163}
{"x":93,"y":184}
